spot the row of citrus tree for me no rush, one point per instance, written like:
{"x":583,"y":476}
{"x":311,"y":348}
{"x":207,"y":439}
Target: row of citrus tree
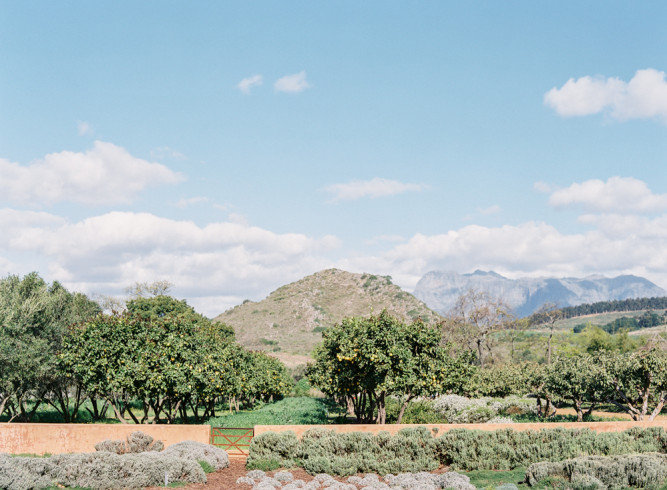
{"x":362,"y":361}
{"x":156,"y":361}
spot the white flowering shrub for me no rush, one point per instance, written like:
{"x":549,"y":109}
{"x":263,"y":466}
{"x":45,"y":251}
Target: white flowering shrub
{"x":461,"y":410}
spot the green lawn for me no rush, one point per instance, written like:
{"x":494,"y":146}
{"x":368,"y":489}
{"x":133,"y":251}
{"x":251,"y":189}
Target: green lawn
{"x":289,"y":411}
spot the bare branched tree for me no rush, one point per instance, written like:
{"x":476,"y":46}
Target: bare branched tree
{"x":476,"y":316}
{"x":148,"y":289}
{"x":548,"y":315}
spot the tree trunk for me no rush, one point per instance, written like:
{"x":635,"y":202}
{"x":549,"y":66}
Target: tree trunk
{"x":117,"y":412}
{"x":403,"y":407}
{"x":658,"y":408}
{"x":580,"y":413}
{"x":382,"y":409}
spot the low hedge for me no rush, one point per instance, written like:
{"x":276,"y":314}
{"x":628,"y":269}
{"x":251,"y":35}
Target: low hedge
{"x":415,"y":449}
{"x":601,"y":472}
{"x":507,"y":449}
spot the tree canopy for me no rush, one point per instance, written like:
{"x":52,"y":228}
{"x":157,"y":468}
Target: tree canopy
{"x":363,"y":360}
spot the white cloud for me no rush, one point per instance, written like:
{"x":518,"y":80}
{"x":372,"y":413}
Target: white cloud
{"x":84,"y":128}
{"x":191,"y":201}
{"x":528,"y":250}
{"x":105,"y":253}
{"x":380,"y":239}
{"x":644,"y":96}
{"x":166,"y":152}
{"x":495,"y":209}
{"x":292,"y":83}
{"x":106,"y":174}
{"x":618,"y":194}
{"x":373,"y":188}
{"x":248,"y":83}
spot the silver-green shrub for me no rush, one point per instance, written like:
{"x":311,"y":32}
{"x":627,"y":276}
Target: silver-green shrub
{"x":99,"y":470}
{"x":24,"y":473}
{"x":198,"y":451}
{"x":136,"y":442}
{"x":277,"y":449}
{"x":461,"y":410}
{"x":507,"y":449}
{"x":630,"y":470}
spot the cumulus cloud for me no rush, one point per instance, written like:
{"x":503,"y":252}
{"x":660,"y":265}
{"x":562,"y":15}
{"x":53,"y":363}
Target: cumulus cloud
{"x":106,"y":174}
{"x":618,"y":194}
{"x":644,"y":96}
{"x":292,"y":83}
{"x":105,"y":253}
{"x":247,"y":84}
{"x":373,"y":188}
{"x":529,"y":249}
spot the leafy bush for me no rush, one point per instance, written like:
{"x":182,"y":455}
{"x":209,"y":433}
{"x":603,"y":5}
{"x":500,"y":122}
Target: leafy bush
{"x":632,"y":470}
{"x":507,"y":449}
{"x":100,"y":470}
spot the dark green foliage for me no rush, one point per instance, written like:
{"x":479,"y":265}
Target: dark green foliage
{"x":647,"y":319}
{"x":631,"y":470}
{"x":633,"y":304}
{"x":206,"y":467}
{"x":33,"y":319}
{"x":507,"y":449}
{"x":417,"y":412}
{"x":301,"y":388}
{"x":365,"y":360}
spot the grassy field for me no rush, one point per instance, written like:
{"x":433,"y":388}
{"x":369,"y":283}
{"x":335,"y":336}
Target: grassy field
{"x":289,"y":411}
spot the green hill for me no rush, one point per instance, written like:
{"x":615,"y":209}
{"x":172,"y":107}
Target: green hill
{"x":290,"y":320}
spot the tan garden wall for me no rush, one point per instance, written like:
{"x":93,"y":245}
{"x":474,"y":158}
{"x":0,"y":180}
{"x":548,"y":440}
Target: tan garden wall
{"x":78,"y":438}
{"x":441,"y":428}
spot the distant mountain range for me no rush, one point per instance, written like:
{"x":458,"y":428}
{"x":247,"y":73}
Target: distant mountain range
{"x":439,"y":290}
{"x":290,"y":320}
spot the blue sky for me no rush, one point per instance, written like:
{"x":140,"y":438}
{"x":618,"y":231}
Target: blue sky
{"x":232,"y":147}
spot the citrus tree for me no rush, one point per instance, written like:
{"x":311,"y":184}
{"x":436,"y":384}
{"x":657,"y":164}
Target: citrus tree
{"x":363,"y":360}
